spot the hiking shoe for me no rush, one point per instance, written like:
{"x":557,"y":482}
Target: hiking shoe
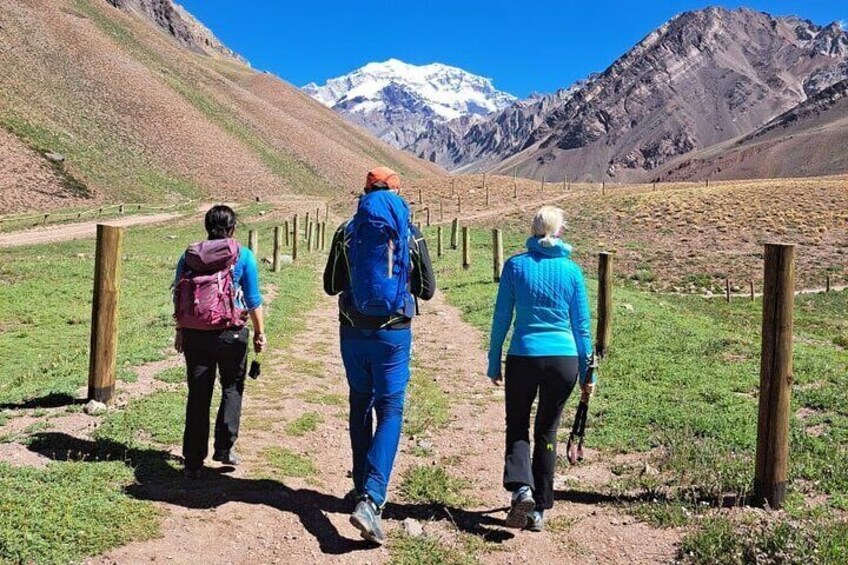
{"x":366,"y":519}
{"x":522,"y":504}
{"x":192,"y":473}
{"x":536,"y":521}
{"x":226,"y":457}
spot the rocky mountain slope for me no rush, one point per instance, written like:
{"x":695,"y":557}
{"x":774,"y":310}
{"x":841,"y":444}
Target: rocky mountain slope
{"x":703,"y":78}
{"x":148,"y":112}
{"x":399,"y":102}
{"x":808,"y":140}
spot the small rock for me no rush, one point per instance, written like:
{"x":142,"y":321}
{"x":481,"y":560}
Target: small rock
{"x":94,"y":408}
{"x":413,"y":528}
{"x":614,"y":522}
{"x":54,"y":157}
{"x":424,"y":444}
{"x":262,"y":212}
{"x":171,"y":237}
{"x":628,"y":307}
{"x":80,"y":255}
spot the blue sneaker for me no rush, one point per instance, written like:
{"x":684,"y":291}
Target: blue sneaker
{"x":366,"y":519}
{"x":536,"y":521}
{"x":522,"y":504}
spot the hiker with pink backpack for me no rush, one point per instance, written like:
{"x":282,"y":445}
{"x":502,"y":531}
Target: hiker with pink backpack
{"x":216,"y":290}
{"x":379,"y":266}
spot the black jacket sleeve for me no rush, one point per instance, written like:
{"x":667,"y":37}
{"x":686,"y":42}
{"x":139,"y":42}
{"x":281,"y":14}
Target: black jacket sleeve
{"x":336,"y":272}
{"x":423,"y":281}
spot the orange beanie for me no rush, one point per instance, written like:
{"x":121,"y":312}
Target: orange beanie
{"x":382,"y":177}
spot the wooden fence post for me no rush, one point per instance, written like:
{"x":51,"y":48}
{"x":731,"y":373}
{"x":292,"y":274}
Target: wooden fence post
{"x":428,"y":216}
{"x":104,"y":314}
{"x":310,"y":236}
{"x":603,"y":334}
{"x":253,"y":241}
{"x":454,"y":233}
{"x":514,"y":183}
{"x":295,"y":237}
{"x":775,"y":376}
{"x":306,"y":227}
{"x":420,"y":196}
{"x":441,"y":211}
{"x":727,"y":289}
{"x":438,"y":241}
{"x":827,"y":283}
{"x":278,"y":243}
{"x":323,"y":236}
{"x":487,"y":193}
{"x":288,"y":235}
{"x":542,"y":187}
{"x":603,"y":187}
{"x":459,"y":204}
{"x":497,"y":254}
{"x":466,"y":247}
{"x":752,"y":291}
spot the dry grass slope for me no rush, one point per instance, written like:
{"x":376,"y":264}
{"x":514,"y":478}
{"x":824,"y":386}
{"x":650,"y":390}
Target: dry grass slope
{"x":141,"y":118}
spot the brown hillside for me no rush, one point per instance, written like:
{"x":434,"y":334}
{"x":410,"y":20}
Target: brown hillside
{"x":808,"y":140}
{"x":140,"y":117}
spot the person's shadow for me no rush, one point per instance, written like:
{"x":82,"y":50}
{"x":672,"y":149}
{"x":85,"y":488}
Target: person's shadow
{"x":159,"y":478}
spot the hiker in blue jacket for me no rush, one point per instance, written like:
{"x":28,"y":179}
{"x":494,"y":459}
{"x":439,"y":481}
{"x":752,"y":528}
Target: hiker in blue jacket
{"x":550,"y":350}
{"x":379,"y":266}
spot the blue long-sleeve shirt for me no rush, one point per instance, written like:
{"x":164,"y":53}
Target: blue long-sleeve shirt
{"x":245,"y":278}
{"x":546,"y":292}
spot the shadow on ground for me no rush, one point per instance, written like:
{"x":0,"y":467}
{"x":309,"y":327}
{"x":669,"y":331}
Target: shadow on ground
{"x":159,"y":478}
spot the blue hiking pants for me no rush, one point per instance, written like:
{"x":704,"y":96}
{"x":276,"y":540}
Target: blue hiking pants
{"x":377,"y":367}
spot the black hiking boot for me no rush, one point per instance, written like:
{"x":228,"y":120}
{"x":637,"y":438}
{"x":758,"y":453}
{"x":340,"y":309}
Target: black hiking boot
{"x":226,"y":457}
{"x":366,"y":519}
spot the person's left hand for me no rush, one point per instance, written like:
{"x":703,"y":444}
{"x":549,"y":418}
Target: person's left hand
{"x":178,"y":340}
{"x":588,"y":390}
{"x":497,"y":381}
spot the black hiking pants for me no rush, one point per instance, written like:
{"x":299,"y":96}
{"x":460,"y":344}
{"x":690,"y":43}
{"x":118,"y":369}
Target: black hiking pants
{"x":551,"y":379}
{"x":206,"y":351}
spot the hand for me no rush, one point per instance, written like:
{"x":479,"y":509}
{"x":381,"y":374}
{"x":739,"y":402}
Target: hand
{"x":259,"y":342}
{"x":588,"y":390}
{"x":497,"y":381}
{"x":178,"y":340}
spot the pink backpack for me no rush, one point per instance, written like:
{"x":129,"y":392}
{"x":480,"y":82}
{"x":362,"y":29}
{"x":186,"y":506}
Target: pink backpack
{"x":204,"y":295}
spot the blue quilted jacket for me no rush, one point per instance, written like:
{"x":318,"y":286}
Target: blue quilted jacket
{"x":546,"y":291}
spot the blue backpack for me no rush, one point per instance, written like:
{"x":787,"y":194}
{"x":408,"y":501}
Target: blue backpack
{"x":379,"y":255}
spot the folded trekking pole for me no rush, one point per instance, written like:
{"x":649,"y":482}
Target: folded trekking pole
{"x":578,"y":429}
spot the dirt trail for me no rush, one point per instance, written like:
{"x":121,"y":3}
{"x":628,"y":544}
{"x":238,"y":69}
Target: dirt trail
{"x":250,"y":515}
{"x":82,"y":230}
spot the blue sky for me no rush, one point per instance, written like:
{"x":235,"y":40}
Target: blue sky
{"x":534,"y":45}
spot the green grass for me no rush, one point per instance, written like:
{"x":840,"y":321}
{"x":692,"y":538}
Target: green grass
{"x":425,"y":550}
{"x":681,"y":382}
{"x":44,"y":352}
{"x":284,"y":463}
{"x":427,"y":405}
{"x":158,"y":417}
{"x":322,"y":398}
{"x":432,"y":484}
{"x":68,"y":511}
{"x":173,"y":375}
{"x":304,"y":424}
{"x":721,"y":541}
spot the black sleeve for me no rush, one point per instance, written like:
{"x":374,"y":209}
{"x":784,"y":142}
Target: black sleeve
{"x":423,"y":278}
{"x":336,"y":272}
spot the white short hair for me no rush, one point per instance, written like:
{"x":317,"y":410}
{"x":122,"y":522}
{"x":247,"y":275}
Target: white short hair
{"x":548,"y":222}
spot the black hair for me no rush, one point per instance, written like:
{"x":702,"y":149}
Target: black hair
{"x":220,"y":222}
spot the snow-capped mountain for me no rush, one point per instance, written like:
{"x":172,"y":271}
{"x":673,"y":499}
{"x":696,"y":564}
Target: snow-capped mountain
{"x":399,"y":101}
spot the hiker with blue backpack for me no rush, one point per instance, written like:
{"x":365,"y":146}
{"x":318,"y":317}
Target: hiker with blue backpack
{"x":379,"y":266}
{"x":550,"y":351}
{"x":216,"y":290}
